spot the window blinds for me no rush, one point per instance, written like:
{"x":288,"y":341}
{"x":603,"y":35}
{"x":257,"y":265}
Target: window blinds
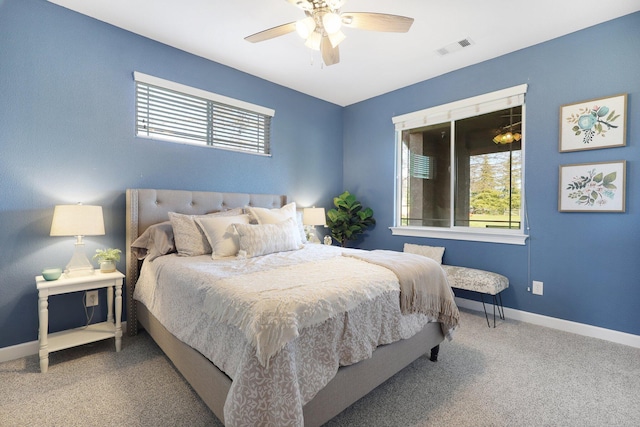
{"x":170,"y":111}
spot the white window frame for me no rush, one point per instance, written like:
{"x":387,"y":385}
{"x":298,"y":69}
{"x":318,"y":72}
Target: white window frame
{"x":448,"y":113}
{"x":223,"y":101}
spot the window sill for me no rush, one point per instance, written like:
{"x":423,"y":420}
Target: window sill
{"x":489,"y":236}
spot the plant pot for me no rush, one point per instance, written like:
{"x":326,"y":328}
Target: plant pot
{"x":107,"y":266}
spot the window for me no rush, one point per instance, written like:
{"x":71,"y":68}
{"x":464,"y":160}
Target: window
{"x":173,"y":112}
{"x":460,"y":169}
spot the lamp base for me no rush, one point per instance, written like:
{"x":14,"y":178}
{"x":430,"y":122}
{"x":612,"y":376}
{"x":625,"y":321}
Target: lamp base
{"x":311,"y":233}
{"x":79,"y":264}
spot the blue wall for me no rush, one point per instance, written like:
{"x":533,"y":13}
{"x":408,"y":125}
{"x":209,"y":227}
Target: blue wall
{"x":67,"y":135}
{"x":589,"y":262}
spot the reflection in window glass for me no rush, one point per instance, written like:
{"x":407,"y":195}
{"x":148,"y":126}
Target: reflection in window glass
{"x":485,"y":179}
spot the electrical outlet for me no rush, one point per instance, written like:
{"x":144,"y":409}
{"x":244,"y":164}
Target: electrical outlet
{"x":537,"y":287}
{"x":91,"y":298}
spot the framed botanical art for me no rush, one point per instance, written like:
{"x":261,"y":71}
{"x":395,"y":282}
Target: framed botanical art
{"x":592,"y":124}
{"x":592,"y":187}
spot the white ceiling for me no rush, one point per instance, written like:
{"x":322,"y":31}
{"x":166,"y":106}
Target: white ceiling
{"x":371,"y":63}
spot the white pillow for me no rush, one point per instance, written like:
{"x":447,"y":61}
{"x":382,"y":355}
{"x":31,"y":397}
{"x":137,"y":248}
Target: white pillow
{"x":256,"y":239}
{"x":221,"y":235}
{"x":189,"y":238}
{"x":274,"y":216}
{"x":433,"y":252}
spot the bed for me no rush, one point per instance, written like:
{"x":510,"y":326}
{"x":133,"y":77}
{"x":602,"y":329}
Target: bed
{"x":312,"y":404}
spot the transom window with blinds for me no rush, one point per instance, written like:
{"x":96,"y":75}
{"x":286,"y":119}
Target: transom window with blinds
{"x":170,"y":111}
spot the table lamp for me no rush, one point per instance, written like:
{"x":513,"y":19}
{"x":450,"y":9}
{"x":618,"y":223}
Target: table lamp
{"x":312,"y":217}
{"x":78,"y":220}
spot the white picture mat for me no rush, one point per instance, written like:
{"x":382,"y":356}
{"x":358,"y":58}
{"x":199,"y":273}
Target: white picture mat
{"x":605,"y":199}
{"x":608,"y":137}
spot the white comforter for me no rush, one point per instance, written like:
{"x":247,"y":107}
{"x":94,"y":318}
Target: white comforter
{"x":279,"y":368}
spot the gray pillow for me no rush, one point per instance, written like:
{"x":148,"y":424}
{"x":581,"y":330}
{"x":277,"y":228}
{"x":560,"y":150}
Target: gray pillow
{"x":189,"y":236}
{"x":157,"y":240}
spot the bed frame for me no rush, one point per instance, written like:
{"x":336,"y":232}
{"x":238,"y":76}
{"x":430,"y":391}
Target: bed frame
{"x":146,"y":207}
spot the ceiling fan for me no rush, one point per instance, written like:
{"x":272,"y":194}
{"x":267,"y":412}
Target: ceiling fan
{"x":321,"y":28}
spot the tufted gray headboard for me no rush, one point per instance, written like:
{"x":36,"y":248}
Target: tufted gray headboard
{"x":146,"y":207}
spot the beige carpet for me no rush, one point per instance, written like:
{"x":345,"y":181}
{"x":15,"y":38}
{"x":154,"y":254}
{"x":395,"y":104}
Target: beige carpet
{"x":515,"y":375}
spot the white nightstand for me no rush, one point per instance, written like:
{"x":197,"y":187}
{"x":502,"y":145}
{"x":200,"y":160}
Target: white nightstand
{"x":83,"y":335}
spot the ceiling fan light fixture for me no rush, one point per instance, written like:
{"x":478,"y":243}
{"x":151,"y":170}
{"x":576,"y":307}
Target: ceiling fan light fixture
{"x":321,"y":26}
{"x":331,"y":22}
{"x":507,"y":138}
{"x":313,"y":41}
{"x":304,"y":5}
{"x":336,"y":38}
{"x":335,"y":4}
{"x":305,"y":27}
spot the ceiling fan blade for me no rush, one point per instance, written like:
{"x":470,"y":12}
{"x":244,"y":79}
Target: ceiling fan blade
{"x":278,"y":31}
{"x":377,"y":21}
{"x":330,"y":54}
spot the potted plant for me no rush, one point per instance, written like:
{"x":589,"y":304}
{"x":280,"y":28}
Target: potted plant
{"x":107,"y":259}
{"x":348,"y":220}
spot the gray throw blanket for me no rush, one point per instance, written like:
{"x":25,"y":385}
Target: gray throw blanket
{"x":423,"y":285}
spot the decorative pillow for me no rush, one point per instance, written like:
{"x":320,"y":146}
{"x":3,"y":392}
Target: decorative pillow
{"x":157,"y":240}
{"x":274,"y":216}
{"x":189,"y":238}
{"x":256,"y":239}
{"x":221,"y":235}
{"x":299,"y":221}
{"x":433,"y":252}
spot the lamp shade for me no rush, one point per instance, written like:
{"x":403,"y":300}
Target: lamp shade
{"x":314,"y":40}
{"x":305,"y":27}
{"x":77,"y":220}
{"x":331,"y":22}
{"x":314,"y":216}
{"x":336,"y":38}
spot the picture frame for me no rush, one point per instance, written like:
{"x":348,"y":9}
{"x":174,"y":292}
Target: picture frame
{"x":593,"y":187}
{"x":593,"y":124}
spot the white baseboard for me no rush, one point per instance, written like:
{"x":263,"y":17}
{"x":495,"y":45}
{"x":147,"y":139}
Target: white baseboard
{"x":28,"y":349}
{"x":555,"y":323}
{"x":18,"y":351}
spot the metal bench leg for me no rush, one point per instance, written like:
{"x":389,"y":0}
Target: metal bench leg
{"x":497,"y":301}
{"x":500,"y":306}
{"x":485,"y":312}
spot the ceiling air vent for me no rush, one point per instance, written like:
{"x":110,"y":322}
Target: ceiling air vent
{"x":454,"y":47}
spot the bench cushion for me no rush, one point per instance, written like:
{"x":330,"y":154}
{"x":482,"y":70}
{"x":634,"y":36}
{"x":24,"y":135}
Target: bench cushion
{"x":471,"y":279}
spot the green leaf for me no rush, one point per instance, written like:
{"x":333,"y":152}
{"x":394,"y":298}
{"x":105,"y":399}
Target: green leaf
{"x":610,"y":186}
{"x":609,"y":178}
{"x":598,"y":177}
{"x":340,"y":203}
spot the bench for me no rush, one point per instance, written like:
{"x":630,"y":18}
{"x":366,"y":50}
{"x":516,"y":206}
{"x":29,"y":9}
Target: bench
{"x":482,"y":282}
{"x":469,"y":279}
